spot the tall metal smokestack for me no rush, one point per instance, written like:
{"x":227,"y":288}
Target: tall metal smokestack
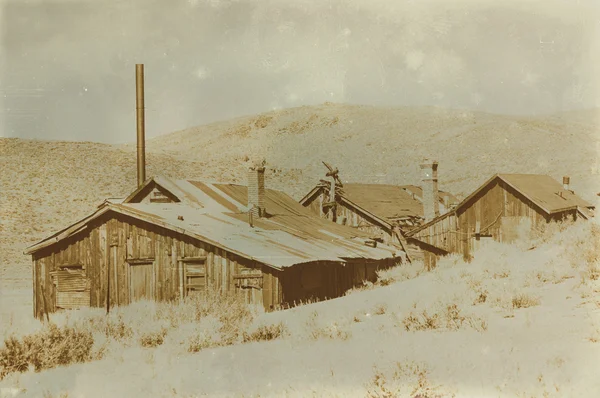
{"x":141,"y":133}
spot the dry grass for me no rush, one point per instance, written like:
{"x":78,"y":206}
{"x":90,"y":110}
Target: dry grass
{"x":399,"y":273}
{"x":524,"y":300}
{"x":200,"y":322}
{"x":315,"y":329}
{"x":266,"y":332}
{"x":385,"y":277}
{"x":51,"y":347}
{"x":449,"y":318}
{"x":403,"y":380}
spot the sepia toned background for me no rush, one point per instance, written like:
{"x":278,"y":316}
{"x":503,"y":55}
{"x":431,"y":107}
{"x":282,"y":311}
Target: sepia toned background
{"x":371,"y":87}
{"x":67,"y":66}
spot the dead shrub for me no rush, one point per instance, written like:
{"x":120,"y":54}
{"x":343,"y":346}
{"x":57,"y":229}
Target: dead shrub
{"x":450,"y":318}
{"x":422,"y":321}
{"x":405,"y":380}
{"x":481,"y":298}
{"x":50,"y":347}
{"x":200,"y":342}
{"x":118,"y":329}
{"x":230,"y":309}
{"x":153,"y":338}
{"x":266,"y":333}
{"x":523,"y":300}
{"x":380,"y":309}
{"x":332,"y":331}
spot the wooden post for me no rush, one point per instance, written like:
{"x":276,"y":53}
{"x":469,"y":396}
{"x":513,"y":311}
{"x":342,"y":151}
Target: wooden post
{"x":113,"y":246}
{"x":181,"y":281}
{"x":332,"y":199}
{"x":44,"y":301}
{"x":107,"y":290}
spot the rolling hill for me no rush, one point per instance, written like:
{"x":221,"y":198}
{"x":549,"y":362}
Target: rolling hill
{"x":47,"y":185}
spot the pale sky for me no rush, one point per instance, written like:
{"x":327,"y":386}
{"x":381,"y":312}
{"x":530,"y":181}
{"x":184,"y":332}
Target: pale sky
{"x":67,"y":67}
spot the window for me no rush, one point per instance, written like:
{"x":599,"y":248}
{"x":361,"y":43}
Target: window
{"x":194,"y":276}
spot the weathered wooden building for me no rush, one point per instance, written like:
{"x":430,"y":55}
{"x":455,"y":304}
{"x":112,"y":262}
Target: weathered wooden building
{"x":500,"y":209}
{"x":384,"y":211}
{"x":169,"y":239}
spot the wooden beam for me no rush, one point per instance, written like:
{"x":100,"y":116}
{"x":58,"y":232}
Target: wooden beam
{"x":193,"y":259}
{"x":332,"y":173}
{"x":70,"y":265}
{"x":44,"y":301}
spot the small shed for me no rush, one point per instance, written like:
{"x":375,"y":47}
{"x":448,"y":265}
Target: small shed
{"x":500,"y":209}
{"x":173,"y":238}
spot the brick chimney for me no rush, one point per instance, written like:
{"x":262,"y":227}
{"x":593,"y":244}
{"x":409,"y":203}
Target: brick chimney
{"x":431,"y":203}
{"x":256,"y":189}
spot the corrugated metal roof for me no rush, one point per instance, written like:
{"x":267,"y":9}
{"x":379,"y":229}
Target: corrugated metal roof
{"x":290,"y":234}
{"x":280,"y":241}
{"x":386,"y":202}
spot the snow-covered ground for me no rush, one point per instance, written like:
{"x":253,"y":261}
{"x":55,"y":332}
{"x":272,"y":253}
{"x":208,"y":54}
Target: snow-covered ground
{"x":513,"y":322}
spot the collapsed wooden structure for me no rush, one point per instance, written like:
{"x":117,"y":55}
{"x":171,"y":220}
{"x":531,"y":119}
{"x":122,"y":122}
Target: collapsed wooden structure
{"x":384,"y":211}
{"x":500,"y":208}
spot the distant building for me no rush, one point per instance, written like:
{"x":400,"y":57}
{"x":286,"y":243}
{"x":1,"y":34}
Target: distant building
{"x":498,"y":210}
{"x":170,"y":239}
{"x":384,"y":211}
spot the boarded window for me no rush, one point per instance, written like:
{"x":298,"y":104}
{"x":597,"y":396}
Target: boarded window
{"x":248,"y":278}
{"x":249,"y":282}
{"x":195,"y":278}
{"x":72,"y":287}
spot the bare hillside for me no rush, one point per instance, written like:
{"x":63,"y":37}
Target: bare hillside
{"x":386,"y":144}
{"x":48,"y":185}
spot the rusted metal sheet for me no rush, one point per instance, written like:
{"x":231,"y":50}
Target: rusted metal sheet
{"x":72,"y":289}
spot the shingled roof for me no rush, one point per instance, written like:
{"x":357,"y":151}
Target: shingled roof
{"x":384,"y":202}
{"x":542,"y":190}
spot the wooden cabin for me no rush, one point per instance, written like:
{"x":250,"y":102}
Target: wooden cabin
{"x":170,"y":239}
{"x":500,"y":209}
{"x":385,"y":212}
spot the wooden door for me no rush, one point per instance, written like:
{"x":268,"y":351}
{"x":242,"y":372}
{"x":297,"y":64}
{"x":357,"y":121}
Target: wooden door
{"x":141,"y":281}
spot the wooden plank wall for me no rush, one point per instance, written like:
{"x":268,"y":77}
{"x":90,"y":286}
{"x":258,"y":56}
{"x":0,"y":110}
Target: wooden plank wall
{"x":455,"y":233}
{"x":334,"y":279}
{"x":442,"y":234}
{"x":107,"y":245}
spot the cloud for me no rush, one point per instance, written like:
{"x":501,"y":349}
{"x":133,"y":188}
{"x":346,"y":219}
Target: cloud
{"x":209,"y":60}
